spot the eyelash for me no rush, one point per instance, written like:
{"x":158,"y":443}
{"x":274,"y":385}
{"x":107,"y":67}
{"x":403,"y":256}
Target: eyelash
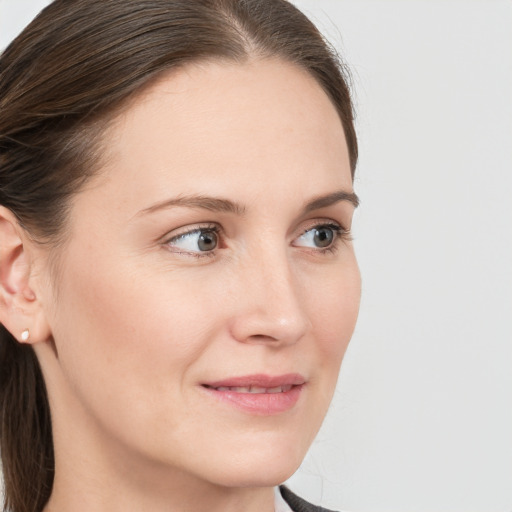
{"x":211,"y":228}
{"x":340,"y":235}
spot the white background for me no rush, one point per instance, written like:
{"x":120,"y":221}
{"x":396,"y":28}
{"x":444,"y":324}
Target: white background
{"x":422,"y":419}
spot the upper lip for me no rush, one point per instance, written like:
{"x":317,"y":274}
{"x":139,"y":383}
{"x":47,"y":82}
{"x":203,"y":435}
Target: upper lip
{"x":259,"y":380}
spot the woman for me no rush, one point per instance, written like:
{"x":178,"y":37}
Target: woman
{"x":178,"y":285}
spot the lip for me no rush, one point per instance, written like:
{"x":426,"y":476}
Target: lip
{"x":269,"y":401}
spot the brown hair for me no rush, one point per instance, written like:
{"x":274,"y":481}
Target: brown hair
{"x":60,"y":82}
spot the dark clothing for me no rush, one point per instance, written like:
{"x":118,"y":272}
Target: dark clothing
{"x":298,"y":504}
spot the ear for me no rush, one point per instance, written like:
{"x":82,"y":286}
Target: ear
{"x":21,"y":311}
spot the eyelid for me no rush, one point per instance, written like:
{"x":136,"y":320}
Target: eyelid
{"x":342,"y":234}
{"x":323,"y":222}
{"x":189,"y":230}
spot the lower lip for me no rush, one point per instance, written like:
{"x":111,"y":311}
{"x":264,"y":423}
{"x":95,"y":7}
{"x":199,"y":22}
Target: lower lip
{"x":263,"y":404}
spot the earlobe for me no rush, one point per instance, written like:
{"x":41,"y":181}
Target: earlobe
{"x":20,"y":310}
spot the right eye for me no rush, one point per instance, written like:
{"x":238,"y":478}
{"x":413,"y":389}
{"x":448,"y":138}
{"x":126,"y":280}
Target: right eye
{"x":197,"y":241}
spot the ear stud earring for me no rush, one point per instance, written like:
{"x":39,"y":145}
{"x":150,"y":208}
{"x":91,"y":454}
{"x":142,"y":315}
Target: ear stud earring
{"x":25,"y":335}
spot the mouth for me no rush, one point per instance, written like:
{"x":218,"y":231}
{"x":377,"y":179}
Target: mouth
{"x":252,"y":389}
{"x":258,"y":394}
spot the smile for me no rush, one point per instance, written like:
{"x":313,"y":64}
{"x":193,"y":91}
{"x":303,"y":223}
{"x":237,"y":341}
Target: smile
{"x":253,"y":389}
{"x":260,"y":395}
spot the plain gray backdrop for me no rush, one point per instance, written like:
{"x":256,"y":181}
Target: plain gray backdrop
{"x":422,"y":418}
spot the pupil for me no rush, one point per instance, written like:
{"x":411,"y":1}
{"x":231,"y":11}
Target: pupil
{"x":207,"y":241}
{"x":323,"y":237}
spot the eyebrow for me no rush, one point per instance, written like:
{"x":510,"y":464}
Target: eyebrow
{"x":213,"y":204}
{"x":217,"y":204}
{"x":330,"y":199}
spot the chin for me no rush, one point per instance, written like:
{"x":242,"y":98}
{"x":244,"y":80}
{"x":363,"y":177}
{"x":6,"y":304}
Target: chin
{"x":269,"y":474}
{"x":261,"y":464}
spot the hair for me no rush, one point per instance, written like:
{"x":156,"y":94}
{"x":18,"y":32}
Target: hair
{"x":61,"y":81}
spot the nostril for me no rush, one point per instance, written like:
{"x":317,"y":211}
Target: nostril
{"x":263,"y":337}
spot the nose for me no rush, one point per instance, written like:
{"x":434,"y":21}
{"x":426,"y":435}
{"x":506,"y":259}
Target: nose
{"x":268,"y":302}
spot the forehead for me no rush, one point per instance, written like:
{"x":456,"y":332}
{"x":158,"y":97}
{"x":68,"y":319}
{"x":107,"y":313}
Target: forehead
{"x":213,"y":123}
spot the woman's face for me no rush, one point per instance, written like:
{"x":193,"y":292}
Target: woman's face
{"x":209,"y":287}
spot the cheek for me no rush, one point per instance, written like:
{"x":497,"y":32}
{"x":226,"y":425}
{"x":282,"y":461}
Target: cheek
{"x":334,"y":309}
{"x":127,"y":317}
{"x":126,"y":341}
{"x":124,"y":327}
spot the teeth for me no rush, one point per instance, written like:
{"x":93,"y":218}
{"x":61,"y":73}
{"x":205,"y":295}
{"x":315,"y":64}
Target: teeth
{"x":255,"y":389}
{"x":241,"y":389}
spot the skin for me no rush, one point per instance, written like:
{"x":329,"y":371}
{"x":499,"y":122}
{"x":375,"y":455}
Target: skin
{"x":138,"y":318}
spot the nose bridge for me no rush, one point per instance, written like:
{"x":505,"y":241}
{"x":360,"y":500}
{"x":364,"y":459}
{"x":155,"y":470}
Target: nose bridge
{"x":270,"y":308}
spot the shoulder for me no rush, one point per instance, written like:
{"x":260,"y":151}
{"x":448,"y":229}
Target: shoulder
{"x":297,"y":504}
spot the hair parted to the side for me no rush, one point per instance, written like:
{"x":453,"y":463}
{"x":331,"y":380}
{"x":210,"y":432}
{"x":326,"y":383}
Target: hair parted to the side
{"x":61,"y":81}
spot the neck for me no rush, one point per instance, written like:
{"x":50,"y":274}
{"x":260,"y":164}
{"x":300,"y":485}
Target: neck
{"x":125,"y":487}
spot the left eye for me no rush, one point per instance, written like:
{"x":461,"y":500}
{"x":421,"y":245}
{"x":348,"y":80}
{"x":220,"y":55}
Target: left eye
{"x":320,"y":237}
{"x":199,"y":240}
